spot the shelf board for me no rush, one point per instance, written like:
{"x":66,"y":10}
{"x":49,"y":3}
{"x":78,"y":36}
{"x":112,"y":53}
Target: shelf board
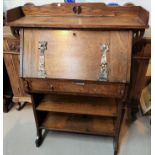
{"x":78,"y":123}
{"x":112,"y":22}
{"x":79,"y":105}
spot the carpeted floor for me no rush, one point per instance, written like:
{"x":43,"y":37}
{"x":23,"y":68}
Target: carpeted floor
{"x":19,"y":138}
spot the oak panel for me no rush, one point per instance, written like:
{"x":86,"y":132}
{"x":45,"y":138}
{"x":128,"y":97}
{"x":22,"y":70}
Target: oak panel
{"x":87,"y":9}
{"x":79,"y":124}
{"x":52,"y":15}
{"x":80,"y":22}
{"x":76,"y":54}
{"x":120,"y":56}
{"x":75,"y":87}
{"x":79,"y":105}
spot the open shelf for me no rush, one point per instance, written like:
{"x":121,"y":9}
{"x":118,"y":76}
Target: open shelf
{"x":79,"y":105}
{"x":78,"y":123}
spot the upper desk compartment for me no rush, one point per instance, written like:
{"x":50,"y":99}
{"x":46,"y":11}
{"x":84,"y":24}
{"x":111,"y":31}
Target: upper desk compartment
{"x":81,"y":41}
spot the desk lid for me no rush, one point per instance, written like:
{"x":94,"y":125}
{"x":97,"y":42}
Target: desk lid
{"x":78,"y":15}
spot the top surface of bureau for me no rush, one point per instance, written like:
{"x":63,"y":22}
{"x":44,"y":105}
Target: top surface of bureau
{"x":79,"y":15}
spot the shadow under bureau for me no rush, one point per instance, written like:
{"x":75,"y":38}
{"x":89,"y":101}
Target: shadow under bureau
{"x":75,"y":60}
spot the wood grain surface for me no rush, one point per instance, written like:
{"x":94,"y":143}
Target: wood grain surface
{"x":11,"y":47}
{"x":80,"y":22}
{"x":75,"y":87}
{"x":76,"y":54}
{"x":78,"y":123}
{"x":87,"y":9}
{"x":92,"y":15}
{"x":79,"y":105}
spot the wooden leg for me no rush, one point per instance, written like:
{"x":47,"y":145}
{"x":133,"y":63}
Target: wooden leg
{"x":132,"y":112}
{"x":115,"y":152}
{"x":39,"y":138}
{"x":119,"y":120}
{"x":115,"y":146}
{"x":20,"y":105}
{"x":7,"y":104}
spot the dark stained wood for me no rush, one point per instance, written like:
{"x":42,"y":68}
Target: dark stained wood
{"x":74,"y":35}
{"x":139,"y":67}
{"x":11,"y":62}
{"x":82,"y":62}
{"x":11,"y":44}
{"x":80,"y":124}
{"x":67,"y":62}
{"x":7,"y":92}
{"x":74,"y":104}
{"x":11,"y":54}
{"x":63,"y":16}
{"x":21,"y":52}
{"x":87,"y":9}
{"x":119,"y":63}
{"x":14,"y":14}
{"x":143,"y":14}
{"x":80,"y":22}
{"x":140,"y":61}
{"x":75,"y":87}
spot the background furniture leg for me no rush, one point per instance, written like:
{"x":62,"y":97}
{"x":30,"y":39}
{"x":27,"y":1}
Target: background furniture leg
{"x":20,"y":105}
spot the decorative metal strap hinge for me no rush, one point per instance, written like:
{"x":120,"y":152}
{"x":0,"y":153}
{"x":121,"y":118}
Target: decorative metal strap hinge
{"x":42,"y":47}
{"x":103,"y":75}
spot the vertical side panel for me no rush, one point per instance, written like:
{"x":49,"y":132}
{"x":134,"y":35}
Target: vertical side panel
{"x":9,"y":60}
{"x":21,"y":52}
{"x":119,"y":56}
{"x":30,"y":57}
{"x":16,"y":61}
{"x":129,"y":55}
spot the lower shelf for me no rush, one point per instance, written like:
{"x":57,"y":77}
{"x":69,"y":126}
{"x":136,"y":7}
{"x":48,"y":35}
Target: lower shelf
{"x":79,"y":105}
{"x":78,"y":123}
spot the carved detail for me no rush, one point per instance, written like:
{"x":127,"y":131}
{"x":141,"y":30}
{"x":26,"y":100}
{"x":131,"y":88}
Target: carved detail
{"x":29,"y":4}
{"x":14,"y":45}
{"x":138,"y":35}
{"x":103,"y":69}
{"x":15,"y":31}
{"x":42,"y":47}
{"x":26,"y":85}
{"x":129,"y":4}
{"x":77,"y":9}
{"x":138,"y":47}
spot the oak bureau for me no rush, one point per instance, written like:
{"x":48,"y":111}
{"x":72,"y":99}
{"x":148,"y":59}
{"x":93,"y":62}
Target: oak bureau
{"x":75,"y":60}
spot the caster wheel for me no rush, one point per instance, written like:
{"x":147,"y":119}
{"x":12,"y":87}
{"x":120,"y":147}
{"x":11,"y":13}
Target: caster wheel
{"x":38,"y":142}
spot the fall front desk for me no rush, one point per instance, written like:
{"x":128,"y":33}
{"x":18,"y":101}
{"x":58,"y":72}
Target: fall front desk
{"x":75,"y":60}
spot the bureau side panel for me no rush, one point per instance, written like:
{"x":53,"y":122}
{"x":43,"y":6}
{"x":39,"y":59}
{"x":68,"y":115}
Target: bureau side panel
{"x":119,"y":57}
{"x":30,"y":53}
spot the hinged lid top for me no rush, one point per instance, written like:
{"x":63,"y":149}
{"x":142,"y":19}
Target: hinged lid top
{"x":79,"y":15}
